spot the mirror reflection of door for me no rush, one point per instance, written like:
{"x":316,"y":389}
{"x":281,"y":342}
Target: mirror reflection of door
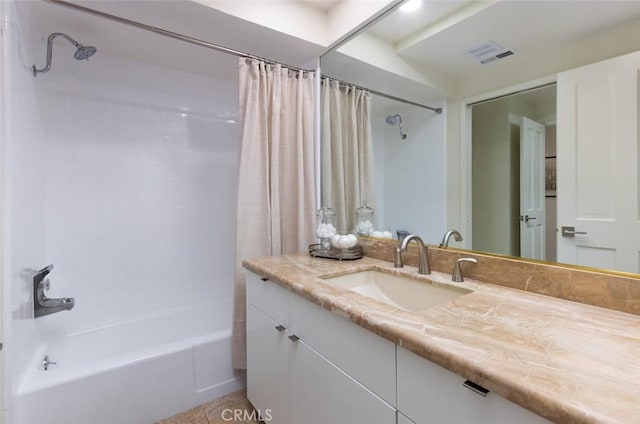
{"x":532,"y":207}
{"x":511,"y":139}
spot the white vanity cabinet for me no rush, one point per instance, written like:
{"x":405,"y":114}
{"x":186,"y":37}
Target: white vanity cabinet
{"x":322,"y":393}
{"x":428,"y":393}
{"x":295,"y":383}
{"x":268,"y":366}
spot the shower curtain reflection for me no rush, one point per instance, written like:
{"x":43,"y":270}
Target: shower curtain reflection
{"x":347,"y":151}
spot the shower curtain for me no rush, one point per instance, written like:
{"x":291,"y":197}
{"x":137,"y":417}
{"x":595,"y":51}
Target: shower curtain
{"x":276,"y":194}
{"x":347,"y":151}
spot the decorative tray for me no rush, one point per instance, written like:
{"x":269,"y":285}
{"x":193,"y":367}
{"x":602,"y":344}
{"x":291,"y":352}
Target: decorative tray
{"x":333,"y":253}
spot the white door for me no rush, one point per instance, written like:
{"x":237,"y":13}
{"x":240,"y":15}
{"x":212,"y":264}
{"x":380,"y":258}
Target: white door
{"x":532,"y":218}
{"x":598,"y":165}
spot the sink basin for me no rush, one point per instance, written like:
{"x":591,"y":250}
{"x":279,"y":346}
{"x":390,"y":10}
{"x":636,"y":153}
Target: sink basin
{"x":398,"y":291}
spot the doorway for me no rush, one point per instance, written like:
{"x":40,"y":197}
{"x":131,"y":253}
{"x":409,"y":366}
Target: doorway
{"x":513,"y":145}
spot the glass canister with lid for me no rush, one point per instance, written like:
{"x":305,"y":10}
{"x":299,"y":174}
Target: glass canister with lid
{"x":325,"y":226}
{"x":364,"y":220}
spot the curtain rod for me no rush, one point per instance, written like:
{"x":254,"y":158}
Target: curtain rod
{"x":514,"y":93}
{"x":170,"y":34}
{"x":437,"y":110}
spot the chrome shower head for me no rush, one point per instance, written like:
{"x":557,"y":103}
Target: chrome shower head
{"x":82,"y":52}
{"x":397,"y":119}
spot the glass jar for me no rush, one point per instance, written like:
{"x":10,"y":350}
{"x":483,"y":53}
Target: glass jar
{"x":325,"y":226}
{"x":364,"y":220}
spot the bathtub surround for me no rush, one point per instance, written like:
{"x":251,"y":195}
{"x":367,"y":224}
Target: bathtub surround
{"x":592,"y":287}
{"x":276,"y":191}
{"x":23,"y":214}
{"x":123,"y":175}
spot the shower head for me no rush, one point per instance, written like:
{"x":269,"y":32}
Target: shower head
{"x":82,"y":52}
{"x":397,"y":119}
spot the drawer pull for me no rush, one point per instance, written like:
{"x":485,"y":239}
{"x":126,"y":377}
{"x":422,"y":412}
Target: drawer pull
{"x":476,"y":388}
{"x":294,"y":338}
{"x":280,"y":328}
{"x":264,"y":278}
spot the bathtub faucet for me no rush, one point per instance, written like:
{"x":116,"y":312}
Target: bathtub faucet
{"x":42,"y":305}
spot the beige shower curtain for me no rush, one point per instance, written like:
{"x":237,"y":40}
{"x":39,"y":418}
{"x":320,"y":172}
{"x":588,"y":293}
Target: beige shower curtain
{"x":347,"y":151}
{"x":276,"y":194}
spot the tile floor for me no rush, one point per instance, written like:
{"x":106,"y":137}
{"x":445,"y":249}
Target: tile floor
{"x":219,"y":411}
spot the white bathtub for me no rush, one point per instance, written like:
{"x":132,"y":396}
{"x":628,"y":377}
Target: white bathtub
{"x":136,"y":372}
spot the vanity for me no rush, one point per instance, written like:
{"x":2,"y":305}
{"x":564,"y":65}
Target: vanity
{"x":327,"y":342}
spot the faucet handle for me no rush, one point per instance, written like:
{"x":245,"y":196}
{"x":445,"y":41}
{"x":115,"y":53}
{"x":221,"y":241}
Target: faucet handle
{"x":457,"y":271}
{"x":398,"y":262}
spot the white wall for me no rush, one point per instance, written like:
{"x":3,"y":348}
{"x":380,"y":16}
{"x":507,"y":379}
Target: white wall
{"x":141,"y":189}
{"x":23,"y":205}
{"x":410,"y":188}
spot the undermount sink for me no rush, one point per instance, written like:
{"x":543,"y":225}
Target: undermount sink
{"x":402,"y":292}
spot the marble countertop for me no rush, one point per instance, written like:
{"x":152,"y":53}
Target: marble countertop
{"x":565,"y":361}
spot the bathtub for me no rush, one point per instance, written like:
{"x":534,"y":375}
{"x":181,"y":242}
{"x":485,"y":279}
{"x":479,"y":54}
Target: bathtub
{"x":136,"y":372}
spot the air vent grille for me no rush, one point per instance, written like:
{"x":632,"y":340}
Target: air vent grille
{"x":488,"y":52}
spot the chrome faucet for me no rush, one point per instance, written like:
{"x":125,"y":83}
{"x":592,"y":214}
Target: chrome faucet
{"x":445,"y":240}
{"x":423,"y":264}
{"x":42,"y":305}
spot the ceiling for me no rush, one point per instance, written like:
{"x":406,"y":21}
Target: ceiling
{"x":323,"y":5}
{"x":525,"y":26}
{"x":547,"y":37}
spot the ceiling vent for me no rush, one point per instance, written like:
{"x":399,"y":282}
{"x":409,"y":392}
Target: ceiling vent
{"x":489,"y":52}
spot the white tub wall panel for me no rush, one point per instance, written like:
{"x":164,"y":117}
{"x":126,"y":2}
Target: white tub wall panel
{"x":23,"y":208}
{"x":153,"y":334}
{"x":212,"y":365}
{"x":141,"y":189}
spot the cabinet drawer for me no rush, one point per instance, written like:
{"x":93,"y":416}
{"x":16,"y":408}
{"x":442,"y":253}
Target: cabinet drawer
{"x":363,"y":355}
{"x":267,"y":366}
{"x":428,"y":393}
{"x":321,"y":393}
{"x":268,"y":297}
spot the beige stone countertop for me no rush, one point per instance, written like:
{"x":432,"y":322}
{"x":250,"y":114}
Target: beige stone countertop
{"x":565,"y":361}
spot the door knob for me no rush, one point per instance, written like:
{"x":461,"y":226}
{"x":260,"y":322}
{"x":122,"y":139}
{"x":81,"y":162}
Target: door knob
{"x":571,"y":232}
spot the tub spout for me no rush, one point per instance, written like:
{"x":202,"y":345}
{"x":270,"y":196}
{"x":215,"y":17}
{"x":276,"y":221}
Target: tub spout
{"x":55,"y":305}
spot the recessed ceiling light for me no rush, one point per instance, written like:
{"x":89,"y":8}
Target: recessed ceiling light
{"x":411,"y":5}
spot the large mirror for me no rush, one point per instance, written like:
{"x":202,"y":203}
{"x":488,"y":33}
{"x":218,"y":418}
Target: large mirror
{"x":482,"y":62}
